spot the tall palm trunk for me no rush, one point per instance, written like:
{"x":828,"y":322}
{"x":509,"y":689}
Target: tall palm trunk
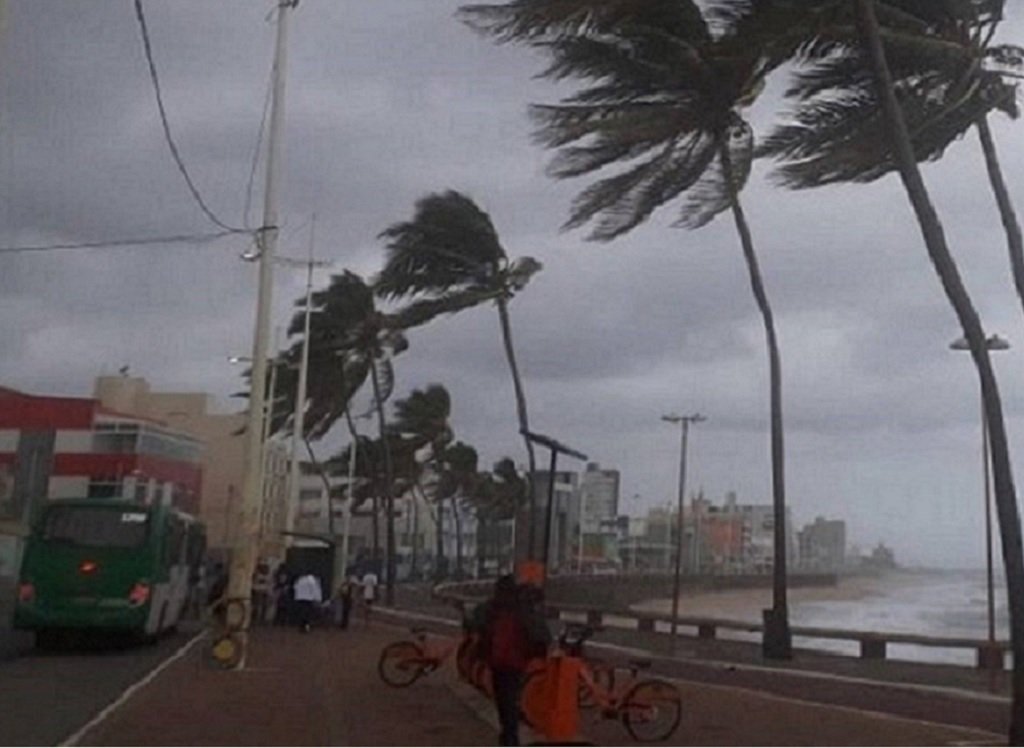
{"x":945,"y":266}
{"x":389,"y":482}
{"x":524,"y":423}
{"x":1014,"y":241}
{"x":778,"y":641}
{"x":458,"y":538}
{"x":414,"y":560}
{"x":440,"y":565}
{"x":481,"y":545}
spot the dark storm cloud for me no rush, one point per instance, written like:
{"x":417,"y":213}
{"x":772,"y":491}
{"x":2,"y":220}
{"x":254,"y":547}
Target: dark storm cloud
{"x":392,"y":99}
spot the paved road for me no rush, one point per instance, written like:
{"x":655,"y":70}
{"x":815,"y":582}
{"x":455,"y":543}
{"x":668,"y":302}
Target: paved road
{"x":46,"y":697}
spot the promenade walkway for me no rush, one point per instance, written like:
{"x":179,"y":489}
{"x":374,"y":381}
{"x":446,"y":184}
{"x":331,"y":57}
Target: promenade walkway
{"x":322,"y":689}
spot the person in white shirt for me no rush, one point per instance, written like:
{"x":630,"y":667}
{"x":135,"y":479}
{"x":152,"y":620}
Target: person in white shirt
{"x":369,"y":584}
{"x":308,"y":596}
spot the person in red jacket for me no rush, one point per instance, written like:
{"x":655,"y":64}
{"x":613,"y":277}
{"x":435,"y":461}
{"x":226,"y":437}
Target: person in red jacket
{"x":511,"y":633}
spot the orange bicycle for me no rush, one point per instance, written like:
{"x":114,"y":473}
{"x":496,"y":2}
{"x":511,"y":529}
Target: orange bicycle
{"x":649,"y":708}
{"x":404,"y":662}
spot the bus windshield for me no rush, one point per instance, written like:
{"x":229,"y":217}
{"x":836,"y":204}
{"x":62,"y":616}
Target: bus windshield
{"x":97,"y":527}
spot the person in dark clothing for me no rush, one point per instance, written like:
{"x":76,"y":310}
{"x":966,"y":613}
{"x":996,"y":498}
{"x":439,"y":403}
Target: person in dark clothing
{"x":511,"y":633}
{"x":283,"y":596}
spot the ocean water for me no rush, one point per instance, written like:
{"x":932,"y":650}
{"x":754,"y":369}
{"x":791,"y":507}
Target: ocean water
{"x":933,"y":603}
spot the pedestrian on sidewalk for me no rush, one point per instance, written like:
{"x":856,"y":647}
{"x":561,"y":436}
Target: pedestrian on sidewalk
{"x":512,"y":632}
{"x":345,"y":594}
{"x":369,"y":584}
{"x":283,"y":583}
{"x":261,"y":587}
{"x":308,"y":597}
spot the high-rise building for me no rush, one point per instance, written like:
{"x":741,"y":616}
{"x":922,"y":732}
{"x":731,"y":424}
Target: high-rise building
{"x":823,"y":545}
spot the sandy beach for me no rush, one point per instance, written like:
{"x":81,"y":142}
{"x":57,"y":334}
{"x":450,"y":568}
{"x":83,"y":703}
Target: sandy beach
{"x":746,"y":605}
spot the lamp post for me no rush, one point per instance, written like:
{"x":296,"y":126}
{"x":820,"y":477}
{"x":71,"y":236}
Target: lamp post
{"x":298,"y":424}
{"x":992,"y":656}
{"x":684,"y":422}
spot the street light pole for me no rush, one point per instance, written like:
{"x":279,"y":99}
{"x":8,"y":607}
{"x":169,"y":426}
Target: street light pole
{"x":243,"y":560}
{"x":992,"y":343}
{"x":299,"y":421}
{"x":684,"y":422}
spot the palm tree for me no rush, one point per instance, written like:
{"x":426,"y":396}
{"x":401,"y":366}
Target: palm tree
{"x":458,"y":483}
{"x":664,"y":104}
{"x":422,"y":419}
{"x":938,"y":250}
{"x":449,"y":257}
{"x":948,"y":77}
{"x":350,"y":342}
{"x":498,"y":496}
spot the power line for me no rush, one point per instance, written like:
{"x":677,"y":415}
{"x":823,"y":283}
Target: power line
{"x":115,"y":243}
{"x":259,"y":145}
{"x":167,"y":128}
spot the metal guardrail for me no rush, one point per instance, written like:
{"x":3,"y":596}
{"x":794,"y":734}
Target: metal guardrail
{"x":873,"y":644}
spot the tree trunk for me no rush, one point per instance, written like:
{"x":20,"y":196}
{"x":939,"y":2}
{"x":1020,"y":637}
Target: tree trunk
{"x":778,"y":641}
{"x":458,"y":537}
{"x":414,"y":561}
{"x":389,"y":482}
{"x":438,"y":517}
{"x":524,"y":424}
{"x":481,"y":547}
{"x":949,"y":275}
{"x":1014,"y":241}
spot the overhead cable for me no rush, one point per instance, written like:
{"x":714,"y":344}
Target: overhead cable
{"x":115,"y":243}
{"x":167,"y":128}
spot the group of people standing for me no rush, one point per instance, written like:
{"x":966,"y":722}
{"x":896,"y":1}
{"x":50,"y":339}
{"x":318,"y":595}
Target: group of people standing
{"x":299,"y":598}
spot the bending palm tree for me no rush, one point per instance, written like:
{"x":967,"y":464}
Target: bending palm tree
{"x":422,"y":419}
{"x":935,"y":240}
{"x":664,"y":104}
{"x":449,"y":256}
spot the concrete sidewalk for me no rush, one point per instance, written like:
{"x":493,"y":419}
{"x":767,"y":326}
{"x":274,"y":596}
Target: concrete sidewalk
{"x":322,"y":688}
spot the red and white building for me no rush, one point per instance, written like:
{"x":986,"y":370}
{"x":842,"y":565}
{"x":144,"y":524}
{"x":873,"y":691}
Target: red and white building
{"x":70,"y":447}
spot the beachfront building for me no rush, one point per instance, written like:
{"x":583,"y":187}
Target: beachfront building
{"x":598,"y":531}
{"x":564,"y":524}
{"x":75,"y":447}
{"x":736,"y":538}
{"x":822,"y":545}
{"x":222,"y":458}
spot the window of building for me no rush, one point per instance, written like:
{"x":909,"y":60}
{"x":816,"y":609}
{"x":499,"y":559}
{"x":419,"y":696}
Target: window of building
{"x":105,"y":488}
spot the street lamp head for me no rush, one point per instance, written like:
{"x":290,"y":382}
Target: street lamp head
{"x":672,"y":418}
{"x":239,"y":360}
{"x":251,"y":255}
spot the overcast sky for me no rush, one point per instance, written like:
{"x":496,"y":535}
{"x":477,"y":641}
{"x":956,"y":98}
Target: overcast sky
{"x":391,"y":99}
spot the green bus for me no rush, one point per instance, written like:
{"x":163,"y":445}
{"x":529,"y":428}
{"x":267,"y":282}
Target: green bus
{"x":108,"y":565}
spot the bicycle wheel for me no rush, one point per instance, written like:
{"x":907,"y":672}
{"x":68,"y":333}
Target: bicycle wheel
{"x":400,"y":664}
{"x":603,"y":675}
{"x":651,"y":710}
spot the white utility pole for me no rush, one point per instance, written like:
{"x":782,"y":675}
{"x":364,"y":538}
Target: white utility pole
{"x":243,"y":560}
{"x":299,"y":421}
{"x":684,"y":422}
{"x":341,"y":560}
